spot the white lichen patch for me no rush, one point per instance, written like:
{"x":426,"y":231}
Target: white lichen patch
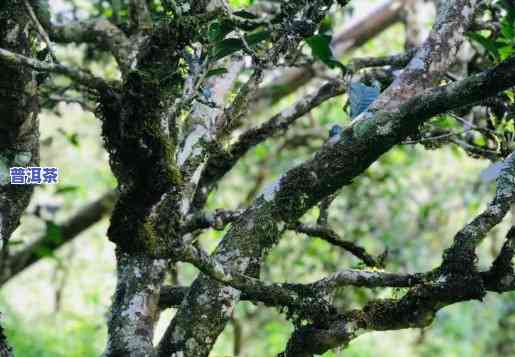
{"x":203,"y":299}
{"x":12,"y":36}
{"x":191,"y":344}
{"x":23,"y":158}
{"x":136,"y":308}
{"x":229,"y":256}
{"x":288,"y":112}
{"x":227,"y":294}
{"x":385,"y":129}
{"x":137,"y":273}
{"x":417,"y":64}
{"x":441,"y":279}
{"x":191,"y":140}
{"x":270,"y":191}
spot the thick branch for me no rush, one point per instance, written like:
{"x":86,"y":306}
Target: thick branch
{"x":218,"y":165}
{"x":135,"y":307}
{"x":461,"y":256}
{"x":71,"y":228}
{"x":434,"y":57}
{"x":19,"y":125}
{"x":218,"y":220}
{"x":101,"y":32}
{"x":336,"y":164}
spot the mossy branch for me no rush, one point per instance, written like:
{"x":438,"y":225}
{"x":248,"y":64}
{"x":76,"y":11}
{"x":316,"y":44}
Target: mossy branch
{"x":85,"y":78}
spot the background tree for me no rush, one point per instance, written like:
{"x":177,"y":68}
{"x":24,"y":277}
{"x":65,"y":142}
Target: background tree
{"x":183,"y":91}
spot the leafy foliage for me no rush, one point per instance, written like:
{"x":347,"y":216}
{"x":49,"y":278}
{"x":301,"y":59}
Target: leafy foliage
{"x":321,"y":49}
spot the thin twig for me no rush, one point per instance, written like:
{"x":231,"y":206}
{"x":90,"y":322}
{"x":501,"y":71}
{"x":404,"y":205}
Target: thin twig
{"x":41,"y":31}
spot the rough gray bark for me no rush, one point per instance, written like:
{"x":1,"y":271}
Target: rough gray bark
{"x":168,"y":132}
{"x":19,"y":134}
{"x":208,"y":306}
{"x":135,"y":306}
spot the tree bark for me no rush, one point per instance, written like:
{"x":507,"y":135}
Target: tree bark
{"x":19,"y":133}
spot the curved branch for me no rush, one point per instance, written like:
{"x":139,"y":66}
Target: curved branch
{"x":340,"y":160}
{"x":82,"y":77}
{"x":101,"y":32}
{"x":330,"y":236}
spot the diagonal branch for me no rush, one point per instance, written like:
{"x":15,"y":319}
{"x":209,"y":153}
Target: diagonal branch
{"x":461,"y":255}
{"x":330,"y":236}
{"x":71,"y":228}
{"x":82,"y":77}
{"x":41,"y":31}
{"x":336,"y":164}
{"x":221,"y":163}
{"x":101,"y":32}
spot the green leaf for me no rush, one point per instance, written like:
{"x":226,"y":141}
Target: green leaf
{"x":216,"y":72}
{"x":217,"y":31}
{"x":231,"y":45}
{"x":487,"y":43}
{"x":72,"y":138}
{"x":507,"y":29}
{"x":44,"y":252}
{"x":321,"y":49}
{"x":505,"y":52}
{"x":245,"y":15}
{"x":326,"y":26}
{"x":67,"y":189}
{"x":53,"y":232}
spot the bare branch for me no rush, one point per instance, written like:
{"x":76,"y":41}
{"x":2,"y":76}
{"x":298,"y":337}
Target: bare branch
{"x":461,"y":256}
{"x":433,"y":58}
{"x":217,"y":220}
{"x":277,"y":294}
{"x":81,"y":77}
{"x":41,"y":31}
{"x":330,"y":236}
{"x":336,"y":164}
{"x":417,"y":308}
{"x":221,"y":163}
{"x":396,"y":61}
